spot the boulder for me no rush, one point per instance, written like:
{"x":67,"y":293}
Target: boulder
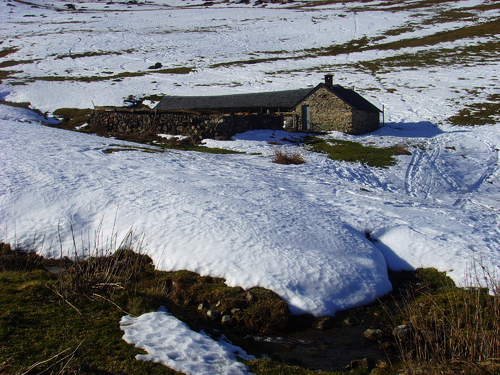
{"x":373,"y":334}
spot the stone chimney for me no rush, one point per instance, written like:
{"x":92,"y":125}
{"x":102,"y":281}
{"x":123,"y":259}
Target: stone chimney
{"x":329,"y":80}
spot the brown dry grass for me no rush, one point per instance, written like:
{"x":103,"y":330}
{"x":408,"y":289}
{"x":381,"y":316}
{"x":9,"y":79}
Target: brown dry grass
{"x":287,"y":157}
{"x":450,"y":327}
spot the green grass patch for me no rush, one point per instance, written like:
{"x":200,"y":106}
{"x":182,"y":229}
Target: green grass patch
{"x":26,"y":105}
{"x":119,"y":76}
{"x":50,"y":324}
{"x":404,"y":6}
{"x":355,"y":45}
{"x":118,"y":148}
{"x":17,"y":105}
{"x":40,"y":332}
{"x":72,"y":117}
{"x":7,"y":51}
{"x":487,"y":113}
{"x":460,"y":56}
{"x":273,"y":367}
{"x":399,"y":31}
{"x":489,"y":28}
{"x":451,"y":15}
{"x":9,"y":63}
{"x":4,"y":74}
{"x":354,"y":152}
{"x":364,"y":44}
{"x":487,"y":6}
{"x":247,"y":62}
{"x":88,"y":54}
{"x":485,"y":29}
{"x":199,"y":148}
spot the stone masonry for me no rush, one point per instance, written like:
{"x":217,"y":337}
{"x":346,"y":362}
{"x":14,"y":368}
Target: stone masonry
{"x":328,"y":112}
{"x":196,"y":125}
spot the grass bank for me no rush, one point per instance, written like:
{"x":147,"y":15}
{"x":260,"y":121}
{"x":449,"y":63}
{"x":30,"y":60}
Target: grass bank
{"x":343,"y":150}
{"x":62,"y":316}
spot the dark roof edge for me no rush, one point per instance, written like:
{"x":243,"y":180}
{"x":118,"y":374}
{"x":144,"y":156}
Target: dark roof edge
{"x":356,"y":101}
{"x":362,"y":103}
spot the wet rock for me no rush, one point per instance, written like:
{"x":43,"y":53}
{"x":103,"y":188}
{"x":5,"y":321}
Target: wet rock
{"x":416,"y":371}
{"x":213,"y":314}
{"x":251,"y":297}
{"x":402,"y":332}
{"x":324,"y":324}
{"x":56,"y":270}
{"x":158,"y":65}
{"x":366,"y":364}
{"x":373,"y":334}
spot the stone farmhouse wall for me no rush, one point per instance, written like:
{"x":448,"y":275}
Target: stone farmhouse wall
{"x":364,"y":122}
{"x":197,"y":126}
{"x":328,"y":112}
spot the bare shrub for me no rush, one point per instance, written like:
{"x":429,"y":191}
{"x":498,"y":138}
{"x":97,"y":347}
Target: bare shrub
{"x":284,"y":156}
{"x":400,"y":149}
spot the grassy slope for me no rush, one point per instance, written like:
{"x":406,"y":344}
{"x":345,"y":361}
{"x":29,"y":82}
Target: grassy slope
{"x":40,"y":331}
{"x":68,"y":322}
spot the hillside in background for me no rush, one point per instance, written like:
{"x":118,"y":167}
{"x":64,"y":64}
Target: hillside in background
{"x":423,"y":60}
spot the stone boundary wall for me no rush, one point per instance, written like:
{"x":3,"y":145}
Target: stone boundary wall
{"x":196,"y":125}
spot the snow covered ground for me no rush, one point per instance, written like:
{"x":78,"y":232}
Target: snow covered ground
{"x":172,"y":343}
{"x":298,"y":230}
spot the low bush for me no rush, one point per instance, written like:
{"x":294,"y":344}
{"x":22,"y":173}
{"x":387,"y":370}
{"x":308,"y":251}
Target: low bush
{"x":284,"y":156}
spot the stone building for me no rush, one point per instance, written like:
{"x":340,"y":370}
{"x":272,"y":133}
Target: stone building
{"x":322,"y":108}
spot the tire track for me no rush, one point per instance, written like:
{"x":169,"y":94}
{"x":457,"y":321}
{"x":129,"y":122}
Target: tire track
{"x":420,"y":178}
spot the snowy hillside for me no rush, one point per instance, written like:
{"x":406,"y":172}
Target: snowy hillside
{"x":298,"y":230}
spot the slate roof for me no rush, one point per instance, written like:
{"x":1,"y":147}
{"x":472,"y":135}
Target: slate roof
{"x":284,"y":100}
{"x":277,"y":99}
{"x":352,"y":98}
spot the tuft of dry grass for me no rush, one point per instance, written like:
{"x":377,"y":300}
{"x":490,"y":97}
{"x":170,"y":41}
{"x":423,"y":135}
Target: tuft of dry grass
{"x":446,"y":327}
{"x":284,"y":156}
